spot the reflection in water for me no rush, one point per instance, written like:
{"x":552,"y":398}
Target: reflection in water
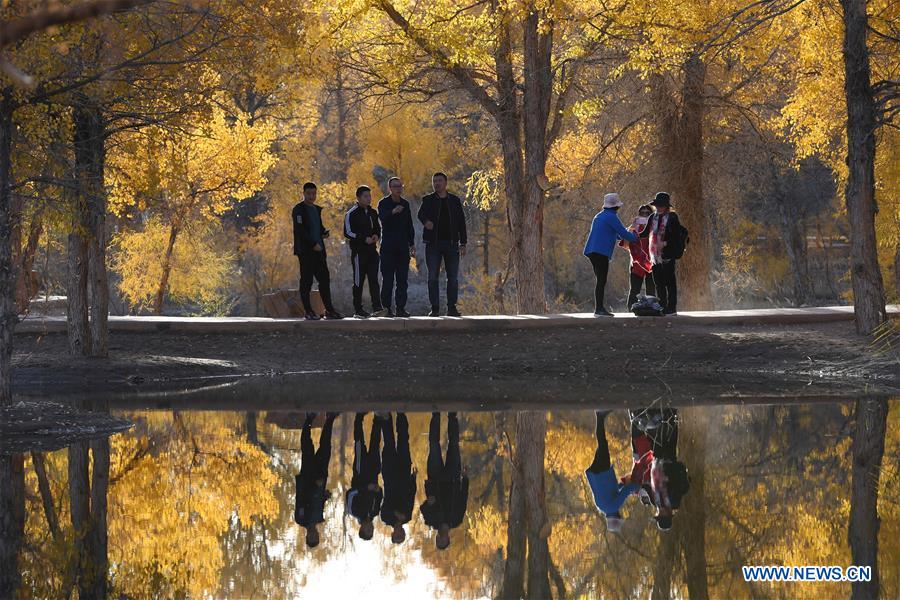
{"x":234,"y":505}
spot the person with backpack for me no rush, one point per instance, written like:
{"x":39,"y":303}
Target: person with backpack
{"x":606,"y":228}
{"x":654,"y":431}
{"x":641,"y":267}
{"x":668,"y":239}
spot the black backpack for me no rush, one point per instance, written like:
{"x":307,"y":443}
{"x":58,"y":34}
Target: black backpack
{"x":681,"y":239}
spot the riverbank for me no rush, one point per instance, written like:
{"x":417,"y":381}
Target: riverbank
{"x":555,"y":361}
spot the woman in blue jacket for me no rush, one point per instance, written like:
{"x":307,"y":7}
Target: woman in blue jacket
{"x":609,"y":492}
{"x":606,"y":230}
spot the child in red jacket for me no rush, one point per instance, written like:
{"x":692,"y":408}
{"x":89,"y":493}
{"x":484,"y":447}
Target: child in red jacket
{"x":641,"y":266}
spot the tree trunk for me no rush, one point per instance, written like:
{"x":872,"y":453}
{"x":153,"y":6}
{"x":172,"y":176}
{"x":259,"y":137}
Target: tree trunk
{"x":868,"y":287}
{"x":27,"y":285}
{"x":8,"y":314}
{"x":691,"y":520}
{"x":12,"y":522}
{"x":663,"y":567}
{"x":40,"y":470}
{"x":531,"y":432}
{"x":486,"y":244}
{"x":79,"y":510}
{"x":166,"y":269}
{"x":90,"y":158}
{"x":681,"y":153}
{"x":513,"y":586}
{"x":96,"y":543}
{"x":794,"y":234}
{"x":76,"y":285}
{"x":868,"y":450}
{"x":528,"y":245}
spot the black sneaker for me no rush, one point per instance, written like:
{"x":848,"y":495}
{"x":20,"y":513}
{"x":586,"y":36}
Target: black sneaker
{"x":435,"y":312}
{"x":602,"y":312}
{"x":380,"y":312}
{"x":390,"y":314}
{"x":401,"y":312}
{"x":361,"y":314}
{"x":311,"y":316}
{"x":333,"y":315}
{"x":670,"y":312}
{"x":453,"y":312}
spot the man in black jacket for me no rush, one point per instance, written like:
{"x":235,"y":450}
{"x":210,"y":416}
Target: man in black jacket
{"x":398,"y":244}
{"x":445,"y":241}
{"x":363,"y":499}
{"x":309,"y":247}
{"x":362,"y":229}
{"x":309,"y":509}
{"x":664,"y":231}
{"x":399,"y":477}
{"x":669,"y":480}
{"x":447,"y":482}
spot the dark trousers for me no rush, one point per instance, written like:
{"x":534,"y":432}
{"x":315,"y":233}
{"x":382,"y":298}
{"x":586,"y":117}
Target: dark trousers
{"x":666,"y":288}
{"x":438,"y":468}
{"x":366,"y":461}
{"x":365,"y":266}
{"x":637,"y":281}
{"x":601,"y":270}
{"x":395,"y":457}
{"x":601,"y":456}
{"x":394,"y":266}
{"x":314,"y":265}
{"x":310,"y":458}
{"x":435,"y":254}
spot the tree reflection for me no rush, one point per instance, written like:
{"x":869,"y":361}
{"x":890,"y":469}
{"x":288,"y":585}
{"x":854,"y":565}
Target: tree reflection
{"x":196,"y":508}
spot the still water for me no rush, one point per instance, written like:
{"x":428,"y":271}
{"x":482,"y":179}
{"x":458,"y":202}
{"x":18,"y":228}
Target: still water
{"x":202,"y":504}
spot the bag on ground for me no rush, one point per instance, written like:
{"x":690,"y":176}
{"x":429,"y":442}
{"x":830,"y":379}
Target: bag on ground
{"x":647,"y":306}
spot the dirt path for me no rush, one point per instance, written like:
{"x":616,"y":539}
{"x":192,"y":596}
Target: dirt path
{"x":561,"y":358}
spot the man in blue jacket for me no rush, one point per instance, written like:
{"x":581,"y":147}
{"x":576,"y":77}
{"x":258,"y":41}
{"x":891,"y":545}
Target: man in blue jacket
{"x":398,"y":244}
{"x":606,"y":229}
{"x":445,"y":238}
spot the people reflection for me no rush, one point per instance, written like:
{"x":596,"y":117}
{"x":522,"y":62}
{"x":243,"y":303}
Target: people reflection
{"x":668,"y":477}
{"x":309,"y":509}
{"x":364,"y":497}
{"x":447,"y":482}
{"x":609,"y":493}
{"x":398,"y":476}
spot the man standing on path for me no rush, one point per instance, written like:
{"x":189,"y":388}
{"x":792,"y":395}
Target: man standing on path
{"x":309,"y":247}
{"x":445,"y":241}
{"x":309,"y":509}
{"x":606,"y":228}
{"x":364,"y":497}
{"x":666,"y":246}
{"x":398,"y":244}
{"x":362,"y":229}
{"x":447,"y":482}
{"x":399,"y":477}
